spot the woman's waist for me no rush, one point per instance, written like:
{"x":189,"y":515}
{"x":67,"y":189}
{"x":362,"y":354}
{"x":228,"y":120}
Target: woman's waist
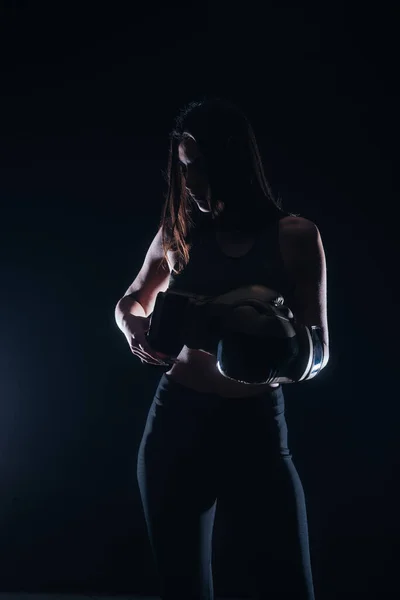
{"x":198,"y":370}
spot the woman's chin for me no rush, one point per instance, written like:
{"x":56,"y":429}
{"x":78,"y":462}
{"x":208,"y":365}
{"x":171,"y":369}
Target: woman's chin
{"x":202,"y":204}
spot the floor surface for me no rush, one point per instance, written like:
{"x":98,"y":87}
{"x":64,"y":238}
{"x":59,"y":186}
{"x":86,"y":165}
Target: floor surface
{"x":16,"y":596}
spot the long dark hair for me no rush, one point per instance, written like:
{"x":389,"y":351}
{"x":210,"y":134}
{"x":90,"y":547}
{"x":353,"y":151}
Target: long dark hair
{"x":241,"y":197}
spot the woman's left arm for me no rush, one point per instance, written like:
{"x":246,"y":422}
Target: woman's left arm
{"x":305,"y":263}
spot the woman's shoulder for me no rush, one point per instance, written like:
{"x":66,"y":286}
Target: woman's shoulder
{"x":297,"y":232}
{"x":288,"y":221}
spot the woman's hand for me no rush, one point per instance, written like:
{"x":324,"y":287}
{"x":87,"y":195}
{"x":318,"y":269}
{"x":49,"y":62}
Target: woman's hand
{"x":135,"y":329}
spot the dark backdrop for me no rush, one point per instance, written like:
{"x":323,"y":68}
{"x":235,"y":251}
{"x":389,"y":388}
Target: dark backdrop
{"x":89,"y":93}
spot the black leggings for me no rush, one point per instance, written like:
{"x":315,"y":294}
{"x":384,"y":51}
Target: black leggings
{"x":197,"y":448}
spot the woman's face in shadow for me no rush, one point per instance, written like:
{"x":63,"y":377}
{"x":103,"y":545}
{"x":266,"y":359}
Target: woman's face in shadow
{"x":193,"y":168}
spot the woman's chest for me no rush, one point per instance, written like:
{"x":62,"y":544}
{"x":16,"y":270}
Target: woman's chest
{"x":219,"y":265}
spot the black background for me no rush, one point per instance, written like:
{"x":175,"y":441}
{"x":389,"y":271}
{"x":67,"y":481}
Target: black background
{"x":88,"y":96}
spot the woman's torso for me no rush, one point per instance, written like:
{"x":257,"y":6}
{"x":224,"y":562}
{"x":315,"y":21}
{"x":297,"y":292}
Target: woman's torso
{"x":219,"y":263}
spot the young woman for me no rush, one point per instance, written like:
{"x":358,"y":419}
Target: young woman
{"x":210,"y":438}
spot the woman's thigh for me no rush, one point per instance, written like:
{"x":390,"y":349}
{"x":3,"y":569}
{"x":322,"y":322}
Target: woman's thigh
{"x":177,"y":484}
{"x":262,"y":499}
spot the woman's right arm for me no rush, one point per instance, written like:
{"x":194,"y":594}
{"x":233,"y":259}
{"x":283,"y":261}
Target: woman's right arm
{"x":140,"y":297}
{"x":153,"y":277}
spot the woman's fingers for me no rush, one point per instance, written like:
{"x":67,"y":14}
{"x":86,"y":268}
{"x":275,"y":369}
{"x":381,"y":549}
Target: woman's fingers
{"x":148,"y":360}
{"x":144,"y":356}
{"x":147,"y":352}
